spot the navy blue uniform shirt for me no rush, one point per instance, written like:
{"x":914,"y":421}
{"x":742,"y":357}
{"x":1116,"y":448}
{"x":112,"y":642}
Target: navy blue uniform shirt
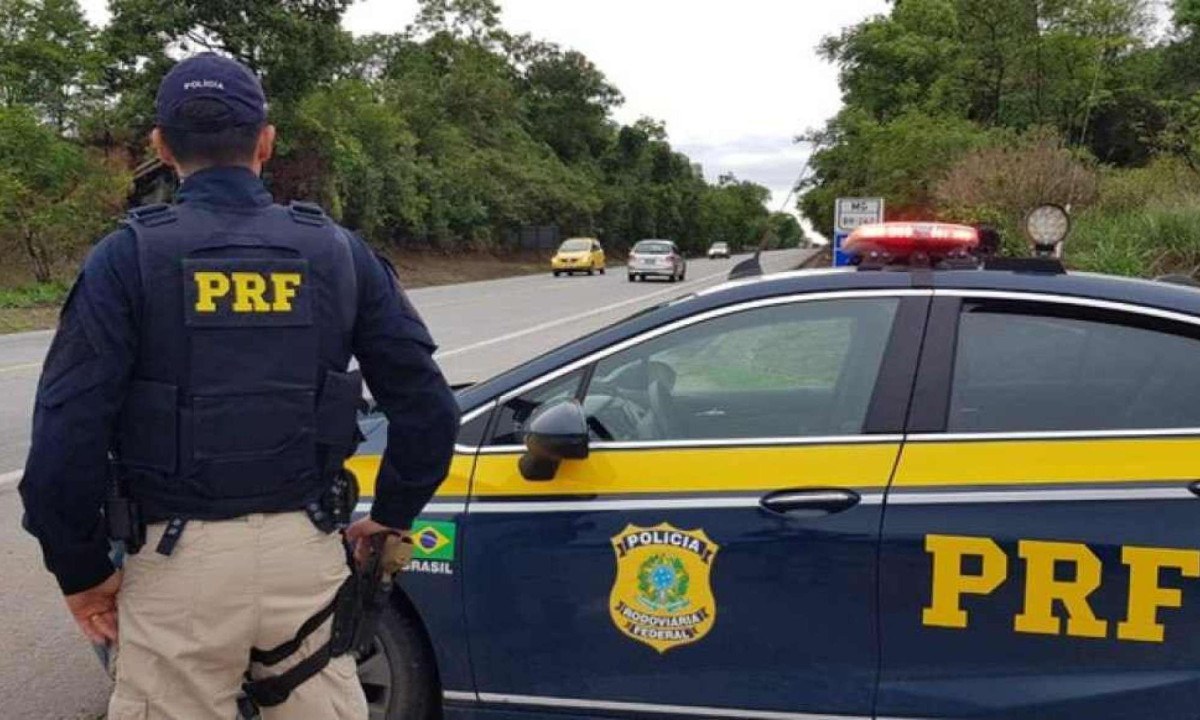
{"x":92,"y":359}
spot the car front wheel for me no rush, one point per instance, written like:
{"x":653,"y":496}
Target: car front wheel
{"x":397,"y":673}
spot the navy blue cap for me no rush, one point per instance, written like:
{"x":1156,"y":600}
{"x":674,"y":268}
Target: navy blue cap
{"x":212,"y":77}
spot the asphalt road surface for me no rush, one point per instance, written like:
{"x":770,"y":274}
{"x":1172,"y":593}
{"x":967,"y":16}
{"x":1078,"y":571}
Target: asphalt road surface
{"x":46,"y":668}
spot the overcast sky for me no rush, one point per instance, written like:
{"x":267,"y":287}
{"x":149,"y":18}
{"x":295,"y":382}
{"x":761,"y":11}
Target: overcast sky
{"x":734,"y":80}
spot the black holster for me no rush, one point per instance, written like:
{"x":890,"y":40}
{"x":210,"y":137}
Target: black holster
{"x":356,"y":610}
{"x":366,"y":592}
{"x":122,"y":517}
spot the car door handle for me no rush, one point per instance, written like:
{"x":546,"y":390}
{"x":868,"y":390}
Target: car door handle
{"x":825,"y":501}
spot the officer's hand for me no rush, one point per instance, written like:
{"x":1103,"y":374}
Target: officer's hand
{"x":95,"y":610}
{"x":397,"y":551}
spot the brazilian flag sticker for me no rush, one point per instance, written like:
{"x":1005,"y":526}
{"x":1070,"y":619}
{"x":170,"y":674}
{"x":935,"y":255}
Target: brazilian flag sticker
{"x":433,"y":540}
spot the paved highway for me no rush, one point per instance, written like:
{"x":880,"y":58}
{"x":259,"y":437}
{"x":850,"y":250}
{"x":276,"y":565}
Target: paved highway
{"x":47,"y":670}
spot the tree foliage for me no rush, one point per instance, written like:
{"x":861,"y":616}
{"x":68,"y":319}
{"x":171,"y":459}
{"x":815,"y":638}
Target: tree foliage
{"x":935,"y":80}
{"x":55,"y":196}
{"x":453,"y":134}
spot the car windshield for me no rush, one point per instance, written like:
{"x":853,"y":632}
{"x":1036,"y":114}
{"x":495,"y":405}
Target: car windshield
{"x":575,"y":246}
{"x":720,"y":246}
{"x":652,"y":248}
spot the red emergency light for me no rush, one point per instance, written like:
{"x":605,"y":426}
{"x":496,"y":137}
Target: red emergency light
{"x":904,"y":241}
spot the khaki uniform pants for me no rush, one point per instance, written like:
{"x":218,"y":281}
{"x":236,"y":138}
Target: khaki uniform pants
{"x":188,"y":621}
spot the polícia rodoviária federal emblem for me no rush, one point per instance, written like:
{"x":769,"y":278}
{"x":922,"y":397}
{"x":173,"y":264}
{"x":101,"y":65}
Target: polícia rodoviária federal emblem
{"x":662,"y":593}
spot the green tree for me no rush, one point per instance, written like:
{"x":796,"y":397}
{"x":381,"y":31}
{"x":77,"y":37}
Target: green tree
{"x":295,"y":45}
{"x":48,"y":59}
{"x":785,"y":231}
{"x":55,"y":196}
{"x":901,"y":161}
{"x":934,"y":79}
{"x":1186,"y":14}
{"x":735,"y":212}
{"x":567,"y":100}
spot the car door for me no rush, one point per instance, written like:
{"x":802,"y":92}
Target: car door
{"x":713,"y":557}
{"x":1040,"y":540}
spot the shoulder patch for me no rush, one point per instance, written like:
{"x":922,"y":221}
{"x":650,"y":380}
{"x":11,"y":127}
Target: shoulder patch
{"x":152,"y":215}
{"x":307,"y":213}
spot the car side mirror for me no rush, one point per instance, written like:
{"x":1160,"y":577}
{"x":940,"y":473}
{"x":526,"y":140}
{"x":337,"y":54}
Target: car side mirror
{"x":555,"y":433}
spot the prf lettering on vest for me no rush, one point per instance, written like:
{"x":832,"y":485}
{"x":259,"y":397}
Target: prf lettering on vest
{"x":246,"y":292}
{"x":1146,"y":596}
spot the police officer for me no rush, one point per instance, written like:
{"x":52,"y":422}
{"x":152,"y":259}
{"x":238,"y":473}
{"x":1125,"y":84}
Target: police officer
{"x":202,"y":355}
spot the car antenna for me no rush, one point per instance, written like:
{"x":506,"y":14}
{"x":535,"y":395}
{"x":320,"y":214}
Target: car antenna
{"x":752,"y":267}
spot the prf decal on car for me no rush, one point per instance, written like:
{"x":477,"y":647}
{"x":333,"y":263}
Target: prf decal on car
{"x":1147,"y":593}
{"x":662,"y":594}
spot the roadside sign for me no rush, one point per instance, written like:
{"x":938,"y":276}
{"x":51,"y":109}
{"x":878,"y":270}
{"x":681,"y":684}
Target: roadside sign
{"x":851,"y":213}
{"x":840,"y":259}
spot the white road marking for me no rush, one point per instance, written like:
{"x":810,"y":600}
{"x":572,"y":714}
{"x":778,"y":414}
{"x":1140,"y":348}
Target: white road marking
{"x":10,"y":478}
{"x":18,"y":368}
{"x":572,"y":318}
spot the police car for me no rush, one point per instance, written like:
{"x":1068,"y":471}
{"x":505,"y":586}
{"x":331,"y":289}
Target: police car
{"x":932,"y":486}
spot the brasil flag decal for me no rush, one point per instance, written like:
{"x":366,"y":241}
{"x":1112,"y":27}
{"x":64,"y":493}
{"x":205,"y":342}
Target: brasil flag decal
{"x":433,"y":540}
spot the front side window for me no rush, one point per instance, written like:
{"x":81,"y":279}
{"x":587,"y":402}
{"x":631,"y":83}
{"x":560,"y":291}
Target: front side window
{"x":801,"y":369}
{"x":1023,"y":367}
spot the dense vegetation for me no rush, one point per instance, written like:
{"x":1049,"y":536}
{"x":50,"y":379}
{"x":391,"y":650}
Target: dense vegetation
{"x":454,"y":134}
{"x":976,"y":110}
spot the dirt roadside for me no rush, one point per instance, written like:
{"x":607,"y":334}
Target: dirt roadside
{"x":416,"y":269}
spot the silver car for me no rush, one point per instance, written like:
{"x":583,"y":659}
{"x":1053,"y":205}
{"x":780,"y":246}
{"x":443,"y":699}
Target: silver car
{"x":656,"y":258}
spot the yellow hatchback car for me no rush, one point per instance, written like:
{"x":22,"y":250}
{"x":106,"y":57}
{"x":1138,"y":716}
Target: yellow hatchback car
{"x":578,"y":255}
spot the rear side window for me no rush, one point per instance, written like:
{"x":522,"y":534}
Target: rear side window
{"x":1021,"y":367}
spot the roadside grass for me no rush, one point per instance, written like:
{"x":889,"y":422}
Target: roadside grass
{"x":1148,"y":241}
{"x":33,"y":307}
{"x":14,"y":320}
{"x":419,"y":269}
{"x":33,"y":296}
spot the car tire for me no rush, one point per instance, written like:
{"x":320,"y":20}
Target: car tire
{"x":591,"y":272}
{"x":398,"y":674}
{"x":632,"y":278}
{"x":557,"y":273}
{"x":671,"y":278}
{"x":602,"y":269}
{"x":683,"y":276}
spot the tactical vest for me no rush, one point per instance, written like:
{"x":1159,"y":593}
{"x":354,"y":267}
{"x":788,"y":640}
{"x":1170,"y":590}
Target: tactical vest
{"x":240,"y":401}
